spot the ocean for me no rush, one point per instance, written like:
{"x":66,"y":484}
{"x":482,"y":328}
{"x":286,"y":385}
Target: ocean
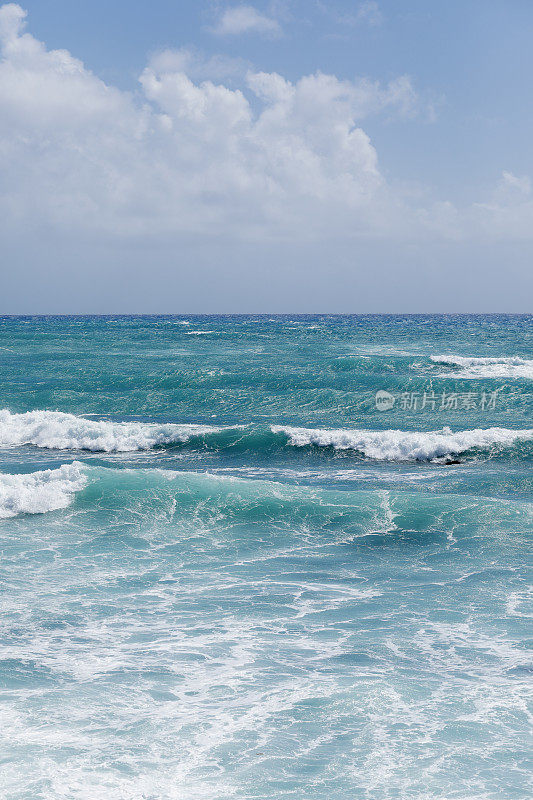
{"x":261,"y":557}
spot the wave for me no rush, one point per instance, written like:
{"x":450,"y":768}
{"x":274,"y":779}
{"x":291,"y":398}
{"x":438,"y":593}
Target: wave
{"x":489,"y":367}
{"x":58,"y":431}
{"x":38,"y":492}
{"x":203,"y":504}
{"x":395,"y":445}
{"x":200,"y":503}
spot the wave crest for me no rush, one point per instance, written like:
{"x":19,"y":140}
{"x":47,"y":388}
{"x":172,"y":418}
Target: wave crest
{"x":38,"y":492}
{"x":58,"y":431}
{"x":474,"y":367}
{"x":394,"y":445}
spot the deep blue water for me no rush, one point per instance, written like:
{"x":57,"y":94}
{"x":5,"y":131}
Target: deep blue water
{"x":225,"y":573}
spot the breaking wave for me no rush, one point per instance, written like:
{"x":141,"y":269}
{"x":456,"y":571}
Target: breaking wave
{"x":58,"y":431}
{"x":393,"y":445}
{"x":206,"y":504}
{"x":471,"y":367}
{"x":38,"y":492}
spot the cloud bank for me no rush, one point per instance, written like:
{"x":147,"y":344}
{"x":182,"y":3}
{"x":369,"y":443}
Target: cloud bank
{"x":208,"y":149}
{"x":183,"y":156}
{"x":270,"y":157}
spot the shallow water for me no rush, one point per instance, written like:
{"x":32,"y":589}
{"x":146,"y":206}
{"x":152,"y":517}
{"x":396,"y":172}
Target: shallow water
{"x":226,"y":573}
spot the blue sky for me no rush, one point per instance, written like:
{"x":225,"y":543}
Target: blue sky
{"x":404,"y":173}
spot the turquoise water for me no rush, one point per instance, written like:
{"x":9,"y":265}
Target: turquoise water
{"x":226,"y":573}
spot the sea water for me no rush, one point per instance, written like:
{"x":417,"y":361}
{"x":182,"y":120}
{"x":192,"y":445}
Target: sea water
{"x":229,"y":571}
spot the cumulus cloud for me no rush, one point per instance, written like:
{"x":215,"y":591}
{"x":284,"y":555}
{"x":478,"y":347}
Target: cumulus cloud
{"x":192,"y":154}
{"x":207,"y":148}
{"x":245,"y":19}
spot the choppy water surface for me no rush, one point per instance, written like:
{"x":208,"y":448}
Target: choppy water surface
{"x":225,"y":573}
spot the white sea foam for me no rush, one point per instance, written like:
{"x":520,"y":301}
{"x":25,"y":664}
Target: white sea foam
{"x":47,"y":490}
{"x":59,"y":431}
{"x":497,"y":367}
{"x":393,"y":445}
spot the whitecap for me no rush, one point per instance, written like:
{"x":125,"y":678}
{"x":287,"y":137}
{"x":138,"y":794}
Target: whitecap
{"x":396,"y":445}
{"x":38,"y":492}
{"x":59,"y":431}
{"x":487,"y":367}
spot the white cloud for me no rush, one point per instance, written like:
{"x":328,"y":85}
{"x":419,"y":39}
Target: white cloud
{"x":197,"y":66}
{"x":369,"y":12}
{"x":366,"y":13}
{"x":246,"y":19}
{"x":514,"y":186}
{"x":192,"y":156}
{"x":509,"y":212}
{"x":197,"y":156}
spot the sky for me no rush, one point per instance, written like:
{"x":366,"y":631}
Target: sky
{"x":349,"y":156}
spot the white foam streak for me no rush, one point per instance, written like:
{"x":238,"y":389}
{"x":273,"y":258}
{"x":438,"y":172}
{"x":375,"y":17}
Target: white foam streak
{"x":59,"y":431}
{"x":38,"y":492}
{"x":497,"y":367}
{"x":395,"y":445}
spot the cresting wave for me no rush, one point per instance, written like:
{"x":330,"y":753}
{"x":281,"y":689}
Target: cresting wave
{"x":38,"y":492}
{"x":391,"y":445}
{"x":58,"y":431}
{"x":202,"y":502}
{"x":473,"y":367}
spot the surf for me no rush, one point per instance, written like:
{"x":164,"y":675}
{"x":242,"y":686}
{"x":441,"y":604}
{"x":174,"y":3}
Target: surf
{"x":56,"y":430}
{"x":41,"y":491}
{"x":486,"y":367}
